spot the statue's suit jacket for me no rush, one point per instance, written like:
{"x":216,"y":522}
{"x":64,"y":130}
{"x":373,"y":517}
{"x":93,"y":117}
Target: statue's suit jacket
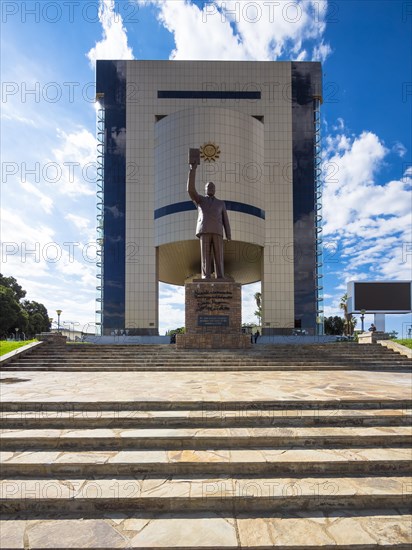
{"x":212,"y":216}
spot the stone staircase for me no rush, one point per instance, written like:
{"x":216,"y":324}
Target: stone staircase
{"x":339,"y":356}
{"x":234,"y":459}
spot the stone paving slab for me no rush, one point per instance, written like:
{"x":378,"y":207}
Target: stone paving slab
{"x":195,"y":487}
{"x":363,"y":531}
{"x":251,"y":461}
{"x":219,"y":387}
{"x":366,"y":530}
{"x":203,"y":418}
{"x":204,"y":413}
{"x":178,"y":433}
{"x":205,"y":437}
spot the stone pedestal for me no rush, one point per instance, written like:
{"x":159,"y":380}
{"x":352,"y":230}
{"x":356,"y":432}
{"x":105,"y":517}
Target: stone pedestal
{"x":53,"y":339}
{"x":213,"y":316}
{"x":372,"y":337}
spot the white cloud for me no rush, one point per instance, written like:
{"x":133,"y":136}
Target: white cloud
{"x":170,"y":317}
{"x":234,"y":30}
{"x":114,"y":43}
{"x":76,"y":160}
{"x":321,"y":52}
{"x":349,"y":168}
{"x":340,"y":125}
{"x":46,"y":202}
{"x":22,"y":246}
{"x":172,"y":294}
{"x":171,"y":307}
{"x":15,"y":117}
{"x":80,"y":222}
{"x":399,"y":149}
{"x":83,"y":225}
{"x":249,"y":304}
{"x":82,"y":274}
{"x":196,"y":35}
{"x":55,"y":274}
{"x":303,"y":56}
{"x":369,"y":221}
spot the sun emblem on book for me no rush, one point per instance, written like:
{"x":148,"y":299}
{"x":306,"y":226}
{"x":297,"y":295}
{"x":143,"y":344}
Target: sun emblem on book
{"x":209,"y":152}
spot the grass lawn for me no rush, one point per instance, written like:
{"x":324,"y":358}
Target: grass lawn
{"x":407,"y":342}
{"x":7,"y":347}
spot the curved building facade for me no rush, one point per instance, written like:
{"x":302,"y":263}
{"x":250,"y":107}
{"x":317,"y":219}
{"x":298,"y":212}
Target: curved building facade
{"x":256,"y":125}
{"x":236,"y":172}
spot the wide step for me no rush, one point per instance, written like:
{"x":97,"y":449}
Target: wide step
{"x":326,"y":461}
{"x":367,"y":530}
{"x":206,"y":438}
{"x":203,"y":418}
{"x":183,"y":494}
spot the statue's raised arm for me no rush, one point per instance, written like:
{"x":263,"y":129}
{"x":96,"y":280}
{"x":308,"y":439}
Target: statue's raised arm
{"x":191,"y":183}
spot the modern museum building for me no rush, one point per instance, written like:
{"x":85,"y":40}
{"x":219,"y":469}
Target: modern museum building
{"x":257,"y":125}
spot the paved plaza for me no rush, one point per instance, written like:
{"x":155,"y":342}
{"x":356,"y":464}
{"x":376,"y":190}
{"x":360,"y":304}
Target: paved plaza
{"x":151,"y":447}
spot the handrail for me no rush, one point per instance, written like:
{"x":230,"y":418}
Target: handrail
{"x":318,"y":215}
{"x":100,"y":137}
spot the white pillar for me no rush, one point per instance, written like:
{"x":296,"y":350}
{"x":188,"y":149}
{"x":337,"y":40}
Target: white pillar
{"x":379,"y":321}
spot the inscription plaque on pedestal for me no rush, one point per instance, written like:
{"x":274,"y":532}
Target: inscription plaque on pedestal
{"x":213,"y":321}
{"x":213,"y":316}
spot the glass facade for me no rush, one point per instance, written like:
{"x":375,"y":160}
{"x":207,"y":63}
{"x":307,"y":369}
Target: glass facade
{"x":111,"y":93}
{"x":306,"y":78}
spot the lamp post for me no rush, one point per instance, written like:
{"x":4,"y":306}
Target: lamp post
{"x":362,"y":316}
{"x":70,"y":324}
{"x":59,"y":312}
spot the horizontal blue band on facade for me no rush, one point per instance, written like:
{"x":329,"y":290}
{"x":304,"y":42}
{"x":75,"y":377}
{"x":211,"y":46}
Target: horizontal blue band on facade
{"x":206,"y":94}
{"x":185,"y":206}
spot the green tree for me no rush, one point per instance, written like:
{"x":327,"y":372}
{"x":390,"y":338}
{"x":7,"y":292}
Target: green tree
{"x":22,"y":322}
{"x":12,"y":284}
{"x":29,"y":317}
{"x":334,"y":325}
{"x":10,"y":310}
{"x":38,"y":318}
{"x":180,"y":330}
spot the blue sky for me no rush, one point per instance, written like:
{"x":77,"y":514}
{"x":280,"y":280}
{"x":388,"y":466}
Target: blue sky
{"x":48,"y":119}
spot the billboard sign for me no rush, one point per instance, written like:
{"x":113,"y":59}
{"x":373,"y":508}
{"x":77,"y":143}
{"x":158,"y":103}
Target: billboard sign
{"x":380,"y":296}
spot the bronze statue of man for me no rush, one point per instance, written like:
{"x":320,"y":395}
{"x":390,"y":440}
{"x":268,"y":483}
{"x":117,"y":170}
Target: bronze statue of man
{"x":212,"y":218}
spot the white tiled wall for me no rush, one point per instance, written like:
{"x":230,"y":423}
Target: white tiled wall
{"x":157,"y":168}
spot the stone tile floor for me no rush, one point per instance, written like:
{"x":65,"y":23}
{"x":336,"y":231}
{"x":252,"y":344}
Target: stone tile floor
{"x":246,"y":386}
{"x":368,"y":528}
{"x":213,"y":531}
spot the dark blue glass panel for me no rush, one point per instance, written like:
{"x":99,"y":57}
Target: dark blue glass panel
{"x":306,"y":81}
{"x":111,"y":81}
{"x":189,"y":205}
{"x":245,"y":208}
{"x":205,"y":94}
